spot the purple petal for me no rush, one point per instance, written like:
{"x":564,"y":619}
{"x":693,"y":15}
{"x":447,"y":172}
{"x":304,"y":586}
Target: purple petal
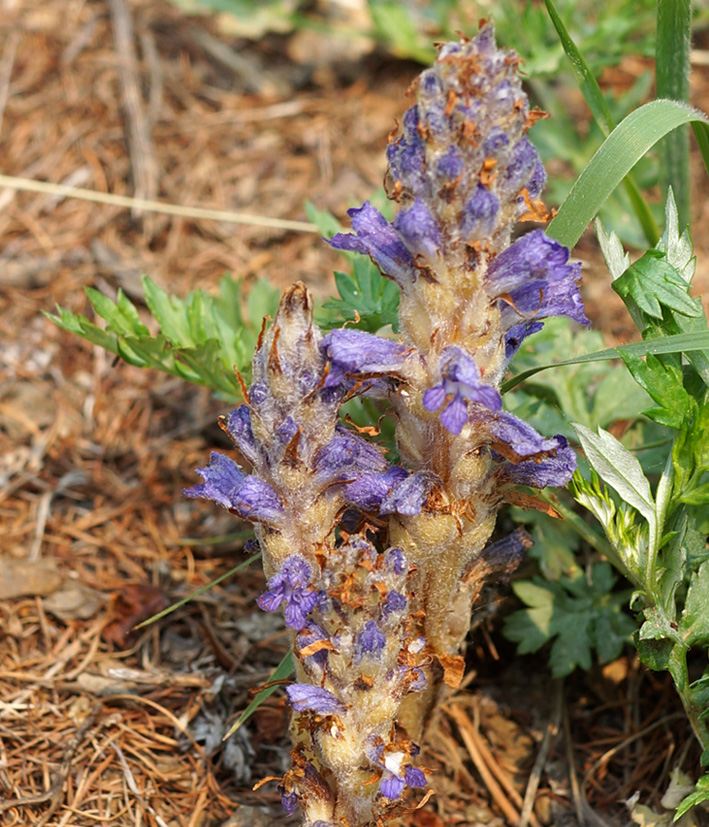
{"x":368,"y":490}
{"x":370,"y":642}
{"x":391,"y":785}
{"x":517,"y":334}
{"x":506,"y":554}
{"x":238,"y":426}
{"x":355,"y":351}
{"x":396,"y":561}
{"x":289,"y":801}
{"x":347,"y":454}
{"x":415,"y":777}
{"x":455,"y":415}
{"x":375,"y":237}
{"x":221,"y":477}
{"x":523,"y":162}
{"x":407,"y":496}
{"x":479,"y":214}
{"x":434,"y":397}
{"x":555,"y":471}
{"x":508,"y":429}
{"x":394,"y":603}
{"x":540,"y":300}
{"x":304,"y":697}
{"x":419,"y":229}
{"x":255,"y":500}
{"x":532,"y":258}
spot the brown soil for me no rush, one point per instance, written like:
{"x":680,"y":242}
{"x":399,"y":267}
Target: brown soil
{"x":100,"y":724}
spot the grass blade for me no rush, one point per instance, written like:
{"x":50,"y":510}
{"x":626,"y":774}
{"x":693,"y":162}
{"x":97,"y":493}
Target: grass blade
{"x":202,"y":590}
{"x":618,"y":154}
{"x":674,"y":28}
{"x":280,"y":673}
{"x":678,"y":343}
{"x":602,"y":115}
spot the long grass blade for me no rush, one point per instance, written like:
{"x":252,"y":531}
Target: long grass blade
{"x":602,"y":115}
{"x":282,"y":671}
{"x":202,"y":590}
{"x":677,"y":343}
{"x":618,"y":154}
{"x":674,"y":28}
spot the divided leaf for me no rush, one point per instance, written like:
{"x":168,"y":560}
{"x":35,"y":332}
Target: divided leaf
{"x":652,"y":282}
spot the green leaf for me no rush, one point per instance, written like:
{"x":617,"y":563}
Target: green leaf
{"x":664,"y":386}
{"x":694,"y":620}
{"x":282,"y":671}
{"x":700,"y":795}
{"x":674,"y":31}
{"x":617,"y":467}
{"x":618,"y":154}
{"x":326,"y":223}
{"x":578,"y":613}
{"x":676,"y":343}
{"x":653,"y":282}
{"x":602,"y":115}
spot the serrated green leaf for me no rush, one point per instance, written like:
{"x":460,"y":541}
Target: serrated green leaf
{"x":616,"y":258}
{"x":170,"y":314}
{"x":652,"y":282}
{"x":678,"y":247}
{"x":617,"y":467}
{"x":697,"y":496}
{"x":664,"y":386}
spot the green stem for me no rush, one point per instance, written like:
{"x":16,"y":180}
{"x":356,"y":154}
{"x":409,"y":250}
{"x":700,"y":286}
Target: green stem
{"x":674,"y":27}
{"x":680,"y":676}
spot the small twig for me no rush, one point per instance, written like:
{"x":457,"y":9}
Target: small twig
{"x":28,"y":185}
{"x":152,"y":58}
{"x":552,"y":730}
{"x":8,"y":61}
{"x":576,"y":794}
{"x":140,"y":144}
{"x":464,"y":727}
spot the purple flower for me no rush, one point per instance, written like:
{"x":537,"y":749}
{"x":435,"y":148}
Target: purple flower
{"x":370,"y":642}
{"x":250,"y":497}
{"x":524,"y":159}
{"x":536,"y":281}
{"x":357,"y":352}
{"x":555,"y":470}
{"x":394,"y":603}
{"x":419,"y":229}
{"x":407,"y":496}
{"x":460,"y":382}
{"x":398,"y":772}
{"x":506,"y":554}
{"x":517,"y":334}
{"x":289,"y":801}
{"x":238,"y":426}
{"x":304,"y":697}
{"x":290,"y":585}
{"x":375,"y":237}
{"x":310,"y":634}
{"x":347,"y":455}
{"x":508,"y":430}
{"x":396,"y":561}
{"x":369,"y":490}
{"x":480,"y":213}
